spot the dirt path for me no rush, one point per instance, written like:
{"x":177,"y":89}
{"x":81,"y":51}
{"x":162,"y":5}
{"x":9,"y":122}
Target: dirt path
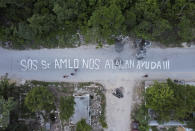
{"x":118,"y":110}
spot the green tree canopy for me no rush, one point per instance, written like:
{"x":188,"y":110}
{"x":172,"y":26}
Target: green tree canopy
{"x":185,"y":30}
{"x":160,"y":97}
{"x":5,"y":107}
{"x":6,"y":89}
{"x":47,"y":23}
{"x":170,"y":100}
{"x":108,"y":21}
{"x":66,"y":107}
{"x":141,"y":116}
{"x":40,"y":98}
{"x":130,"y":19}
{"x":42,"y":24}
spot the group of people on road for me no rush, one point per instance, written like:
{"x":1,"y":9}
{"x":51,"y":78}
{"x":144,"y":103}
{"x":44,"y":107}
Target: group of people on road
{"x":71,"y":74}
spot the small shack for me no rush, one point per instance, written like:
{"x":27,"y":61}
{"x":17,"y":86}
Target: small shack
{"x":82,"y":109}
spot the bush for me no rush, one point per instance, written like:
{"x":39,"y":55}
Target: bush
{"x":141,"y":116}
{"x":83,"y":126}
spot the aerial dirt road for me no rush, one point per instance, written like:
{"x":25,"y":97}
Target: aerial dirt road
{"x":97,"y":65}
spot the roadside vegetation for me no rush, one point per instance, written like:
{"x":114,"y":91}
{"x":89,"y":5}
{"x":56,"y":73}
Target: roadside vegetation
{"x":171,"y":101}
{"x":83,"y":126}
{"x":168,"y":101}
{"x":22,"y":107}
{"x":10,"y":106}
{"x":48,"y":23}
{"x":164,"y":129}
{"x":40,"y":99}
{"x":103,"y":111}
{"x":6,"y":106}
{"x":141,"y":116}
{"x":66,"y":107}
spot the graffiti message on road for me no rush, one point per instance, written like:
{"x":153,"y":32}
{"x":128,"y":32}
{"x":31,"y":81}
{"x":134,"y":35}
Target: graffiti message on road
{"x":92,"y":64}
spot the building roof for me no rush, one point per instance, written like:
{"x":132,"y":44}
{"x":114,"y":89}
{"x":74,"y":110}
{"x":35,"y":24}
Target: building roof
{"x":81,"y":109}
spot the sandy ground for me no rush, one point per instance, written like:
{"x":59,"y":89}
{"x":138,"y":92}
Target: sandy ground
{"x":182,"y":66}
{"x":119,"y":110}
